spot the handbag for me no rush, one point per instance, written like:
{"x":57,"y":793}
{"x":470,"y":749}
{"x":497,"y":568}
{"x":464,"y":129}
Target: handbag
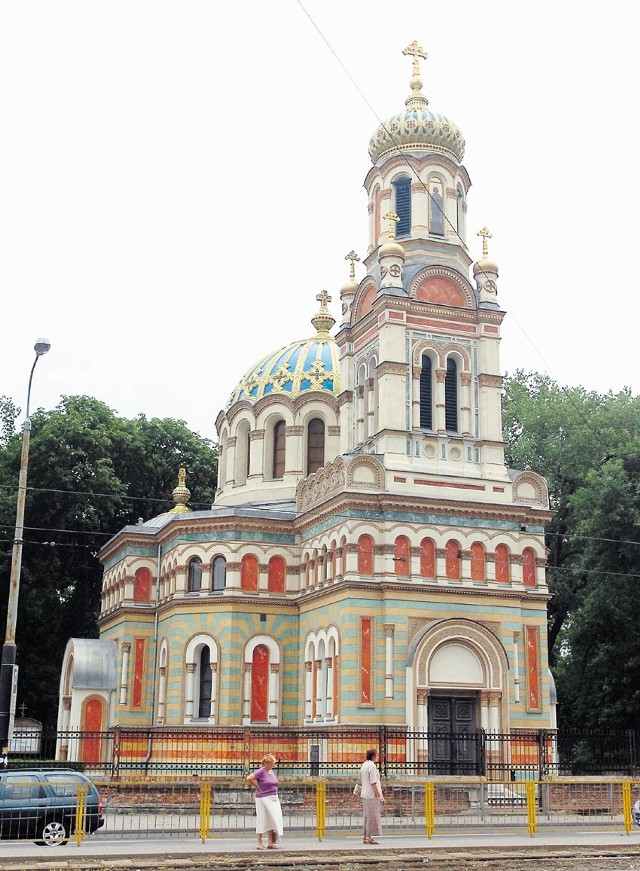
{"x":357,"y":789}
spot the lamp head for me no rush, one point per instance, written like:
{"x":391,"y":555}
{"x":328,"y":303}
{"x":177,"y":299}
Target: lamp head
{"x":42,"y":346}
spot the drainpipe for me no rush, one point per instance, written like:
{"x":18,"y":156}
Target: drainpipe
{"x":154,"y":674}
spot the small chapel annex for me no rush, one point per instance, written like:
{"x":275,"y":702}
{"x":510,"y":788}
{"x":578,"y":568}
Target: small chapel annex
{"x":369,"y":558}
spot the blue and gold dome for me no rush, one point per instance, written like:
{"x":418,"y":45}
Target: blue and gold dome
{"x":301,"y":367}
{"x":417,"y":128}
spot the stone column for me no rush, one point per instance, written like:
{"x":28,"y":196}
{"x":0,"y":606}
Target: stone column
{"x":328,"y":714}
{"x":213,"y":713}
{"x":188,"y":692}
{"x":439,"y":423}
{"x":465,"y":403}
{"x":246,"y":701}
{"x":162,"y":692}
{"x":274,"y":684}
{"x":308,"y":690}
{"x":388,"y":680}
{"x":124,"y":672}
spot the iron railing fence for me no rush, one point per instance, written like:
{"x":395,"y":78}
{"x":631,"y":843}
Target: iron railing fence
{"x":331,"y":752}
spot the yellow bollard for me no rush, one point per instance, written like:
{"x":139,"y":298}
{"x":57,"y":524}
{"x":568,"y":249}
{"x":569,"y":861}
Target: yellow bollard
{"x":531,"y":806}
{"x":626,"y":806}
{"x":80,"y":814}
{"x":429,"y":807}
{"x":321,"y":809}
{"x":205,"y":810}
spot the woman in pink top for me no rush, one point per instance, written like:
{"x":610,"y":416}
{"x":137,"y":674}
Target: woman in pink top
{"x":268,"y":810}
{"x":372,"y":798}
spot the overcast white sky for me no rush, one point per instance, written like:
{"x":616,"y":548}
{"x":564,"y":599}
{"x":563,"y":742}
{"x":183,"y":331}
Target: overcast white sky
{"x":178,"y":180}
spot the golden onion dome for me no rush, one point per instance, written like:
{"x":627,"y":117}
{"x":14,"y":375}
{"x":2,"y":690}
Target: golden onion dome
{"x":301,"y":367}
{"x":417,"y":128}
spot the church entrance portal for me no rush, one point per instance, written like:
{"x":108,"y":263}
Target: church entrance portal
{"x":454,"y":738}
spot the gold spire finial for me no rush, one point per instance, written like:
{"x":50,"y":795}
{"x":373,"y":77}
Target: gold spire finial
{"x":353,"y":257}
{"x":181,"y":494}
{"x":182,"y":477}
{"x":485,"y":235}
{"x":323,"y":298}
{"x":393,"y":219}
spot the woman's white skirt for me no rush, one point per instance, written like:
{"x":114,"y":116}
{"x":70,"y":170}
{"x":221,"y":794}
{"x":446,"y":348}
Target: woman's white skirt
{"x":269,"y":815}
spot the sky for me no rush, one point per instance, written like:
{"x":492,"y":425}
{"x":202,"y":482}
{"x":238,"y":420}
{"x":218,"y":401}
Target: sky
{"x":178,"y":180}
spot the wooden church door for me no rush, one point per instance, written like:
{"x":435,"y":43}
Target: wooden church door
{"x":453,"y":735}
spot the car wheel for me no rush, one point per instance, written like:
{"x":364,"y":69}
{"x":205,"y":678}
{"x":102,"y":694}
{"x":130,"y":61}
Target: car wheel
{"x":52,"y":833}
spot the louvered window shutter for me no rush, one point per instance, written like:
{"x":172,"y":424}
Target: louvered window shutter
{"x":451,"y":397}
{"x":403,"y":206}
{"x":426,"y":394}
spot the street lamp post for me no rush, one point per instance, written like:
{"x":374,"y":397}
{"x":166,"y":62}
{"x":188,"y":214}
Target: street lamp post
{"x":8,"y":670}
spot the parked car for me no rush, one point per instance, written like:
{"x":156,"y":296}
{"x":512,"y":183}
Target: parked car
{"x":41,"y":804}
{"x":636,"y":812}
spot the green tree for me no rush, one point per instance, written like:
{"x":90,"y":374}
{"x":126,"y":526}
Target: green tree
{"x":8,"y":414}
{"x":576,"y":439}
{"x":90,"y":473}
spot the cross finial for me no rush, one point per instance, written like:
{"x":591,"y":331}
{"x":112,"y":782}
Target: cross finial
{"x":323,"y":298}
{"x":353,"y":257}
{"x":182,"y":477}
{"x":417,"y":51}
{"x":23,"y":708}
{"x":393,"y":219}
{"x":485,"y":235}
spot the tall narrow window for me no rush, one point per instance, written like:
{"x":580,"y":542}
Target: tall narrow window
{"x":204,"y":703}
{"x":478,"y":562}
{"x":279,"y":441}
{"x":249,"y":569}
{"x":402,"y":557}
{"x":436,"y":207}
{"x":451,"y":396}
{"x":194,"y":575}
{"x":503,"y":568}
{"x":528,"y":567}
{"x":277,"y":572}
{"x":219,"y":570}
{"x":426,"y":393}
{"x":365,"y":555}
{"x":402,"y":188}
{"x":427,"y":558}
{"x":452,"y":560}
{"x":315,"y":445}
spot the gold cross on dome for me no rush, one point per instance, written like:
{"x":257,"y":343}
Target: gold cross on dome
{"x":182,"y":477}
{"x":485,"y":235}
{"x":353,"y":257}
{"x":417,"y":51}
{"x":393,"y":219}
{"x":323,"y":298}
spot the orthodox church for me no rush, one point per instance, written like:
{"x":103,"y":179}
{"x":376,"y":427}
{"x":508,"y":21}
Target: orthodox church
{"x":369,"y":559}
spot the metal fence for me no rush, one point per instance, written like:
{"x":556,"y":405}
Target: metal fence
{"x":224,"y":807}
{"x":331,"y":752}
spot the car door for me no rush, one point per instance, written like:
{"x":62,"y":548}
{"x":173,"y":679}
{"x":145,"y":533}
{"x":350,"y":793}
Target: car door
{"x":22,"y":803}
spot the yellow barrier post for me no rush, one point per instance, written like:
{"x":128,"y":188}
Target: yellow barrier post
{"x":626,"y":805}
{"x":429,"y":807}
{"x":80,"y":814}
{"x":321,"y":809}
{"x":531,"y":806}
{"x":205,"y":810}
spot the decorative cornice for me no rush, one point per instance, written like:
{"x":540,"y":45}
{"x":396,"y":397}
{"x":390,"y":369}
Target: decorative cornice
{"x":391,"y":367}
{"x":490,"y":381}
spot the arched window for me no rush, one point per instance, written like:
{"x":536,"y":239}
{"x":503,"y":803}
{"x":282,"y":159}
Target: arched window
{"x":402,"y":204}
{"x":452,"y":560}
{"x":219,"y":572}
{"x":194,"y":575}
{"x":204,"y":702}
{"x":478,"y":562}
{"x":142,"y":586}
{"x":451,"y":396}
{"x":279,"y":443}
{"x":315,"y":445}
{"x":365,"y":555}
{"x":277,"y":573}
{"x":402,"y":557}
{"x":528,"y":567}
{"x":436,"y":207}
{"x":426,"y":393}
{"x":249,"y":570}
{"x":260,"y":684}
{"x":427,"y":558}
{"x":503,"y":569}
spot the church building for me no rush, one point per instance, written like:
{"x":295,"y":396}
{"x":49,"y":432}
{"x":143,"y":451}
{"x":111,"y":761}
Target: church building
{"x":369,"y":559}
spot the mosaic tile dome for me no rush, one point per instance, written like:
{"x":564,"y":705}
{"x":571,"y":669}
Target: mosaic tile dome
{"x":301,"y":367}
{"x":417,"y":128}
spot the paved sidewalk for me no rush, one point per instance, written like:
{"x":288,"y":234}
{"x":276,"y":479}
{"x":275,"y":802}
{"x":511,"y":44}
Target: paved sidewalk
{"x":121,"y":853}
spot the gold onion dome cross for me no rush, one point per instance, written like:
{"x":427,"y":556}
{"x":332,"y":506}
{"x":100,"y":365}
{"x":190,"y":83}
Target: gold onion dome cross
{"x":393,"y":219}
{"x":485,"y":234}
{"x":416,"y":51}
{"x":323,"y":320}
{"x":353,"y":257}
